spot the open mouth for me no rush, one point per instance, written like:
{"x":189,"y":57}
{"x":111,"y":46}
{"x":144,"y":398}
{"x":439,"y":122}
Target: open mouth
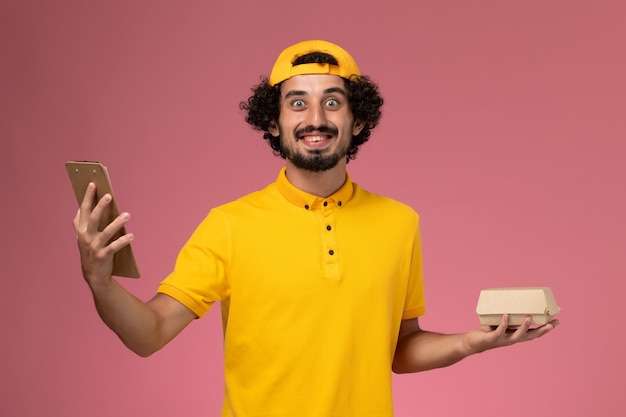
{"x":315,"y":141}
{"x":314,"y":138}
{"x":313,"y":135}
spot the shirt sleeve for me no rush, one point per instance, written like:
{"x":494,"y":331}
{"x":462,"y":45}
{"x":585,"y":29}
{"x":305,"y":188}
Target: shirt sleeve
{"x":415,"y":304}
{"x":200,"y":276}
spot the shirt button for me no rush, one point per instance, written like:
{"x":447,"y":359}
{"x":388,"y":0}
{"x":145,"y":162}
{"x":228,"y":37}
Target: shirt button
{"x":325,"y":203}
{"x":306,"y":206}
{"x":339,"y":203}
{"x":328,"y":228}
{"x":331,"y":252}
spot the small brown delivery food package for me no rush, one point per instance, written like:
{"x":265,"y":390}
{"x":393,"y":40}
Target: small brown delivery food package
{"x":518,"y":303}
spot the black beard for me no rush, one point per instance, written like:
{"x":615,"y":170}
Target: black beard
{"x":316,"y":162}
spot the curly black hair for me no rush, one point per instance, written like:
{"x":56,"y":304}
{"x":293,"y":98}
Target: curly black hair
{"x":263,"y":106}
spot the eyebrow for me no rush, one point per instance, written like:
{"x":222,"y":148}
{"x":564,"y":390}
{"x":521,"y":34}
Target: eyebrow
{"x":327,"y":91}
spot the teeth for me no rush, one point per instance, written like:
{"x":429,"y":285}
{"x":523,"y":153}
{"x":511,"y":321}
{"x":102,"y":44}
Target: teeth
{"x":314,"y":138}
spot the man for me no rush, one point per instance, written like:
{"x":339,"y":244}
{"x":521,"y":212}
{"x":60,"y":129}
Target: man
{"x":320,"y":281}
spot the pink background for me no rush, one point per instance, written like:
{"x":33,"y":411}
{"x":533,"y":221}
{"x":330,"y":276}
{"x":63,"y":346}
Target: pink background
{"x":504,"y":126}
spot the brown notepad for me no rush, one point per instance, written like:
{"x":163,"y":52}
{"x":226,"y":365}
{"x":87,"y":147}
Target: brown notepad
{"x":81,"y":174}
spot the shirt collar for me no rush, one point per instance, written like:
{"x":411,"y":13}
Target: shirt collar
{"x":309,"y":201}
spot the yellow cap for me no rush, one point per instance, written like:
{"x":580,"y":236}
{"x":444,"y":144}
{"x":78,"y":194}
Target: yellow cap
{"x":284,"y":69}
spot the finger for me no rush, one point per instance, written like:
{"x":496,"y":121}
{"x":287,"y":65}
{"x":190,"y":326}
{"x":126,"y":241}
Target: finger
{"x":112,"y":228}
{"x":76,"y":219}
{"x":522,"y":330}
{"x":121,"y":242}
{"x":81,"y":221}
{"x":540,"y":331}
{"x":87,"y":203}
{"x":502,"y":326}
{"x":98,"y":212}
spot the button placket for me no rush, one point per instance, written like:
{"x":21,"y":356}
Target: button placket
{"x":329,"y":238}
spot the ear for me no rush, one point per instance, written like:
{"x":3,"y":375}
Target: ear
{"x":358,"y":126}
{"x":273,"y":129}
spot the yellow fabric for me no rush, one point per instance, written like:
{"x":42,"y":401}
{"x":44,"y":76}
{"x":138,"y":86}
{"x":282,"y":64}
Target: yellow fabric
{"x":306,"y":332}
{"x":284,"y":68}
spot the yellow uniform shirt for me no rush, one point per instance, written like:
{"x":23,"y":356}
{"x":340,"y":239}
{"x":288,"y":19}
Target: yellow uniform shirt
{"x":312,"y":290}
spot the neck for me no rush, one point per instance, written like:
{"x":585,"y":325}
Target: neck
{"x":321,"y":184}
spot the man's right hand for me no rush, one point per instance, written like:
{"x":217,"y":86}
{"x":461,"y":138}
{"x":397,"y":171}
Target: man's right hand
{"x":96,"y":254}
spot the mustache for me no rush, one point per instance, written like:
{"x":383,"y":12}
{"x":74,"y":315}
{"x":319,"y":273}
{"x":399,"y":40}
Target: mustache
{"x":322,"y":129}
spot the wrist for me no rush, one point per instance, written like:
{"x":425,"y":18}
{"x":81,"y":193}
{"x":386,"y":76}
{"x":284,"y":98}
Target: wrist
{"x":466,"y":347}
{"x":98,"y":284}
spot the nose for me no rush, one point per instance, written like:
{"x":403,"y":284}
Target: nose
{"x":316,"y":116}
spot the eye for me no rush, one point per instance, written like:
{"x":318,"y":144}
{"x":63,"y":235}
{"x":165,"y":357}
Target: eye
{"x":331,"y":102}
{"x":298,"y":103}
